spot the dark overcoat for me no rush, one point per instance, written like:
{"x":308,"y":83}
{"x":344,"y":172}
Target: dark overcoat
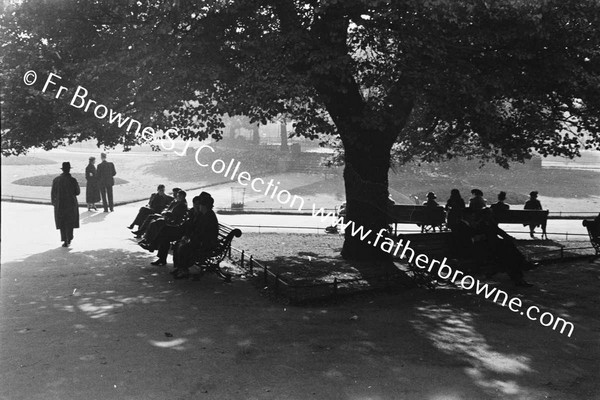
{"x":106,"y":172}
{"x":92,"y":189}
{"x":65,"y":190}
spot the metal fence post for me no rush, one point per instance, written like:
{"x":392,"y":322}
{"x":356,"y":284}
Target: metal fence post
{"x":242,"y":260}
{"x":251,"y":264}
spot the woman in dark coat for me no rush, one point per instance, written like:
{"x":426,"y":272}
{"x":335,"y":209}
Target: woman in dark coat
{"x":92,"y":189}
{"x":532,"y":204}
{"x":65,"y":190}
{"x":455,"y":207}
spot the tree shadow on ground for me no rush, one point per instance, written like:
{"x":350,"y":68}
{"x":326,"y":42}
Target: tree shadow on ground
{"x":75,"y":316}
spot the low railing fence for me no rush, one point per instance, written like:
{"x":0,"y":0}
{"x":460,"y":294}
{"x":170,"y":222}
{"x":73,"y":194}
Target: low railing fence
{"x":299,"y":292}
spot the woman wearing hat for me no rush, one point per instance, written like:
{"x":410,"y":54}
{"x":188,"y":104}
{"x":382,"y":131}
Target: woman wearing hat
{"x":65,"y":190}
{"x":454,"y":207}
{"x":431,"y":200}
{"x":92,"y":189}
{"x":477,"y":202}
{"x":532,"y":204}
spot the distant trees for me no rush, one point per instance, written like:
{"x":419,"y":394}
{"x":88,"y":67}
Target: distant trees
{"x":422,"y":79}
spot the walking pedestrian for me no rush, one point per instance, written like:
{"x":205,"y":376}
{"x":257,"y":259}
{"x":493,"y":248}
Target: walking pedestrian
{"x":65,"y":190}
{"x":106,"y":180}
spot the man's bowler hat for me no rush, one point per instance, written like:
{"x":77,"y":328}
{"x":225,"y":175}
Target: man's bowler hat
{"x":66,"y":166}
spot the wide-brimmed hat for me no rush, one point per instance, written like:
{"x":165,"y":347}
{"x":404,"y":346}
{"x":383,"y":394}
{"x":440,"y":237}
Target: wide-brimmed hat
{"x":66,"y":166}
{"x":206,"y":199}
{"x":431,"y":195}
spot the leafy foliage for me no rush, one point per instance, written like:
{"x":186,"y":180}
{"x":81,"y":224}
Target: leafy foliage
{"x":496,"y":79}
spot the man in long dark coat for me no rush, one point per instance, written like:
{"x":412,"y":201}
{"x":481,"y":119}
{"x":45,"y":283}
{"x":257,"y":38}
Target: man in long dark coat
{"x":106,"y":172}
{"x":65,"y":190}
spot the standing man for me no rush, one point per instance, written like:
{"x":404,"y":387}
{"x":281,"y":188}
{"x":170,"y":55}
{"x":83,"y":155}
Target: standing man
{"x":106,"y":173}
{"x":65,"y":190}
{"x":533,"y":204}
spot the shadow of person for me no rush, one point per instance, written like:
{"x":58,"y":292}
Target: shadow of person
{"x":89,"y":217}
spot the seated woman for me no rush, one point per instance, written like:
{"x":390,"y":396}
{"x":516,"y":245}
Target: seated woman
{"x":201,"y":237}
{"x":477,"y":202}
{"x":157,"y":203}
{"x":173,"y":217}
{"x":431,"y":200}
{"x":501,"y":204}
{"x":455,"y":207}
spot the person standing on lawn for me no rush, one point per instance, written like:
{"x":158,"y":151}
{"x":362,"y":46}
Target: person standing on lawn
{"x":65,"y":190}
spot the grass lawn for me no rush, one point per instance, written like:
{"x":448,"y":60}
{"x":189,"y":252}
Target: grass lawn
{"x":46,"y":180}
{"x":26,"y":160}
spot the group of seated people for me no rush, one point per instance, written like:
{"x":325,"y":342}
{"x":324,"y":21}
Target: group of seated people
{"x":476,"y":233}
{"x":455,"y":206}
{"x":167,"y":219}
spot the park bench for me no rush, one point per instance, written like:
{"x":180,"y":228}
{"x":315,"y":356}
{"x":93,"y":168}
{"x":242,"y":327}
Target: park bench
{"x":428,"y":218}
{"x":211,"y":261}
{"x":593,"y":228}
{"x":525,"y":217}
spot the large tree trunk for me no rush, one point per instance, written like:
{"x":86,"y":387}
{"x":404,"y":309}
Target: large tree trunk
{"x":366,"y":182}
{"x":367,"y":140}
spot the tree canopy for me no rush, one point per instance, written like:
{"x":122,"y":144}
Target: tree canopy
{"x":497,"y":79}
